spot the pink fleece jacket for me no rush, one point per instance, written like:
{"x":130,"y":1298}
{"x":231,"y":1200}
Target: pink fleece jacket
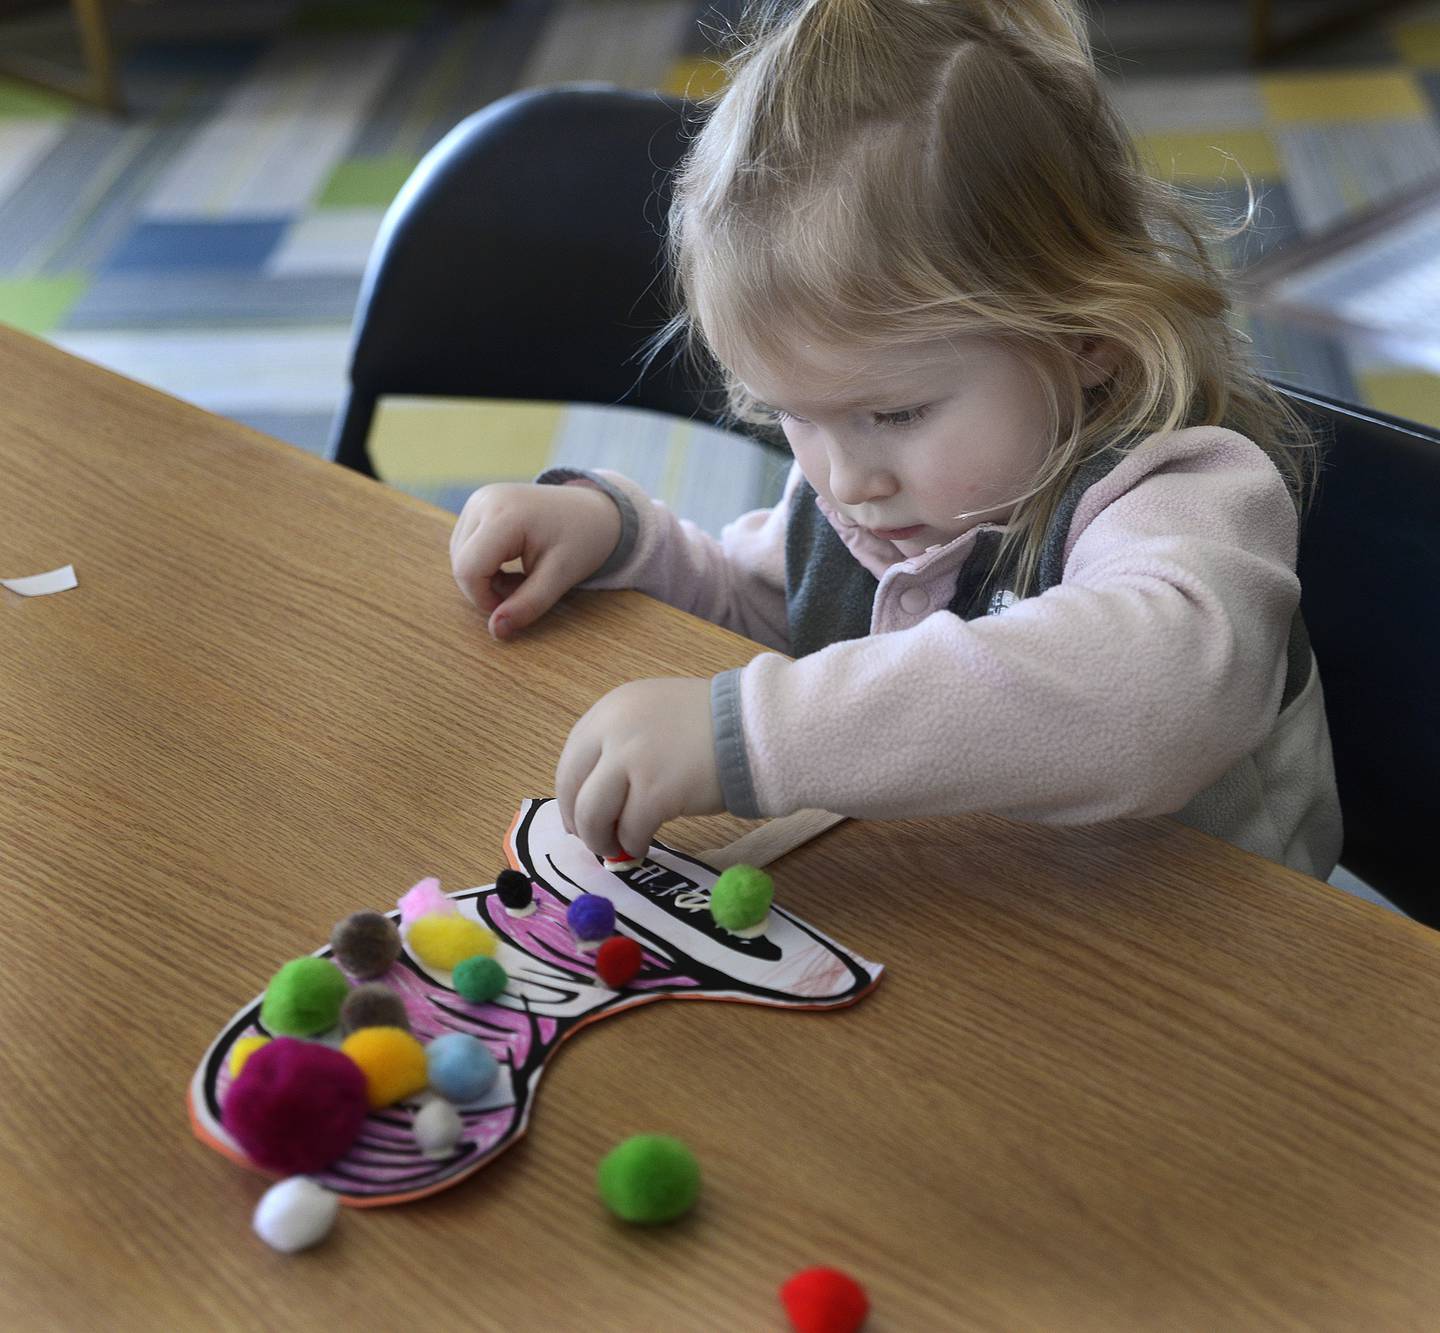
{"x":1148,"y":681}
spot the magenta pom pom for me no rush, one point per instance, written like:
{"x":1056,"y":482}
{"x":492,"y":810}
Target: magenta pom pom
{"x":297,"y":1106}
{"x":591,"y":917}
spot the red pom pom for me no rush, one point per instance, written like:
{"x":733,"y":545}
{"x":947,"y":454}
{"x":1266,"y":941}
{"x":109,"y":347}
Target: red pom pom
{"x":824,"y":1300}
{"x":297,"y":1109}
{"x":618,"y":961}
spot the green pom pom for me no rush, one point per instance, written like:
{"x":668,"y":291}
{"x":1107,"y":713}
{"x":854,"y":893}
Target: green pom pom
{"x":741,"y":897}
{"x":479,"y":979}
{"x":649,"y":1178}
{"x":303,"y":998}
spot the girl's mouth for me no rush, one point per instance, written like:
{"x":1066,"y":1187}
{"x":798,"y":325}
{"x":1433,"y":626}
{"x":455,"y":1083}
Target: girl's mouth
{"x":898,"y":534}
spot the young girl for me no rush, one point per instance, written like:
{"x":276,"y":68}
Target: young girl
{"x":1036,"y":555}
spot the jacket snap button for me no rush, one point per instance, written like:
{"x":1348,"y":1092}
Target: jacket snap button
{"x":913,"y":601}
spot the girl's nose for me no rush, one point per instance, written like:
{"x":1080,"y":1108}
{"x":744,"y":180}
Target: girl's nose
{"x":853,"y":481}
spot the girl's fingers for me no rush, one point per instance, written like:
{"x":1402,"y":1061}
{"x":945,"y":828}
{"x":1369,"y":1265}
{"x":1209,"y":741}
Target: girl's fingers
{"x":599,"y":804}
{"x":543,"y":585}
{"x":501,"y":621}
{"x":637,"y":826}
{"x":466,"y":523}
{"x":505,"y":583}
{"x":458,"y":533}
{"x":477,"y":560}
{"x":577,"y":758}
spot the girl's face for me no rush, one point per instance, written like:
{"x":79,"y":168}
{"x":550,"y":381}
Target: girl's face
{"x":918,"y":446}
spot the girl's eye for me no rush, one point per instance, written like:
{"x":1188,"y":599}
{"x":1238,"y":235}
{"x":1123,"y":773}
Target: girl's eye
{"x":907,"y":416}
{"x":778,"y":415}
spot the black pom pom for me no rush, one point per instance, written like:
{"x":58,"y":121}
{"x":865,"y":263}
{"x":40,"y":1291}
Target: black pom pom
{"x":514,"y":889}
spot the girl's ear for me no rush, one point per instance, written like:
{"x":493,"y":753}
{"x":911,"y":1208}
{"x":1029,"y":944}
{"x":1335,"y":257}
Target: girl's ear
{"x":1098,"y":358}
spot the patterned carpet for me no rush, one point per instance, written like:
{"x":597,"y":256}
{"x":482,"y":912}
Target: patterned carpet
{"x":212,"y":243}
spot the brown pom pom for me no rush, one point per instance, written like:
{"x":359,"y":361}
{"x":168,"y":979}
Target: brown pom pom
{"x":373,"y":1005}
{"x":365,"y":944}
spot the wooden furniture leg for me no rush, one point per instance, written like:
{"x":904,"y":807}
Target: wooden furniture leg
{"x":99,"y":48}
{"x":99,"y":83}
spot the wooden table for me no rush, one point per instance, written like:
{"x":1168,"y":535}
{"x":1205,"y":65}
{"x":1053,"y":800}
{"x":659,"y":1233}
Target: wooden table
{"x":1118,"y":1077}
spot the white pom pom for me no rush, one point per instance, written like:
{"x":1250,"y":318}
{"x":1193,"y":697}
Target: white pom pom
{"x":438,"y":1128}
{"x":295,"y":1214}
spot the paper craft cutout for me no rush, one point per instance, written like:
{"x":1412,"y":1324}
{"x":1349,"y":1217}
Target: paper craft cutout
{"x":553,"y":992}
{"x":38,"y":585}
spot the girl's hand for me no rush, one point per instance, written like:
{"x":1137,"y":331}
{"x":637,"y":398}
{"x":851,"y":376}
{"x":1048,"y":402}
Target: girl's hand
{"x":560,"y":534}
{"x":644,"y":754}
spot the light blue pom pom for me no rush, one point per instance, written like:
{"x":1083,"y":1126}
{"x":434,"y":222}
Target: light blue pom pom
{"x":461,"y":1067}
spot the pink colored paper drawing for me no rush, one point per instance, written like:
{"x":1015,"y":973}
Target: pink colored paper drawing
{"x":663,"y":903}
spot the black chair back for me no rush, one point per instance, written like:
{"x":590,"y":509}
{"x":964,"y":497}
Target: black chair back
{"x":524,"y":259}
{"x":1370,"y":591}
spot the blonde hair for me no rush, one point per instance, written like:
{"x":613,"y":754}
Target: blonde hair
{"x":880,"y":173}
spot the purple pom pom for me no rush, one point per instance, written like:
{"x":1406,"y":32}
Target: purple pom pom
{"x":591,"y":917}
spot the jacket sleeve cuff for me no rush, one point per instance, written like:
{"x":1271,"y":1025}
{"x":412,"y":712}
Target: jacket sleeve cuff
{"x":629,"y":520}
{"x":736,"y":783}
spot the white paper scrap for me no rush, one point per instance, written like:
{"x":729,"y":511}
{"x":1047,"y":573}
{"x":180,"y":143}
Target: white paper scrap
{"x":37,"y":585}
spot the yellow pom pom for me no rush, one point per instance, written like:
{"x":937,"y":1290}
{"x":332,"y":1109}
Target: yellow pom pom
{"x":242,"y":1050}
{"x":392,"y":1061}
{"x":447,"y":941}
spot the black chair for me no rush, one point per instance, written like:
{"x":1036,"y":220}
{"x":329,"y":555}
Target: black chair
{"x":523,"y":259}
{"x":1370,"y":578}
